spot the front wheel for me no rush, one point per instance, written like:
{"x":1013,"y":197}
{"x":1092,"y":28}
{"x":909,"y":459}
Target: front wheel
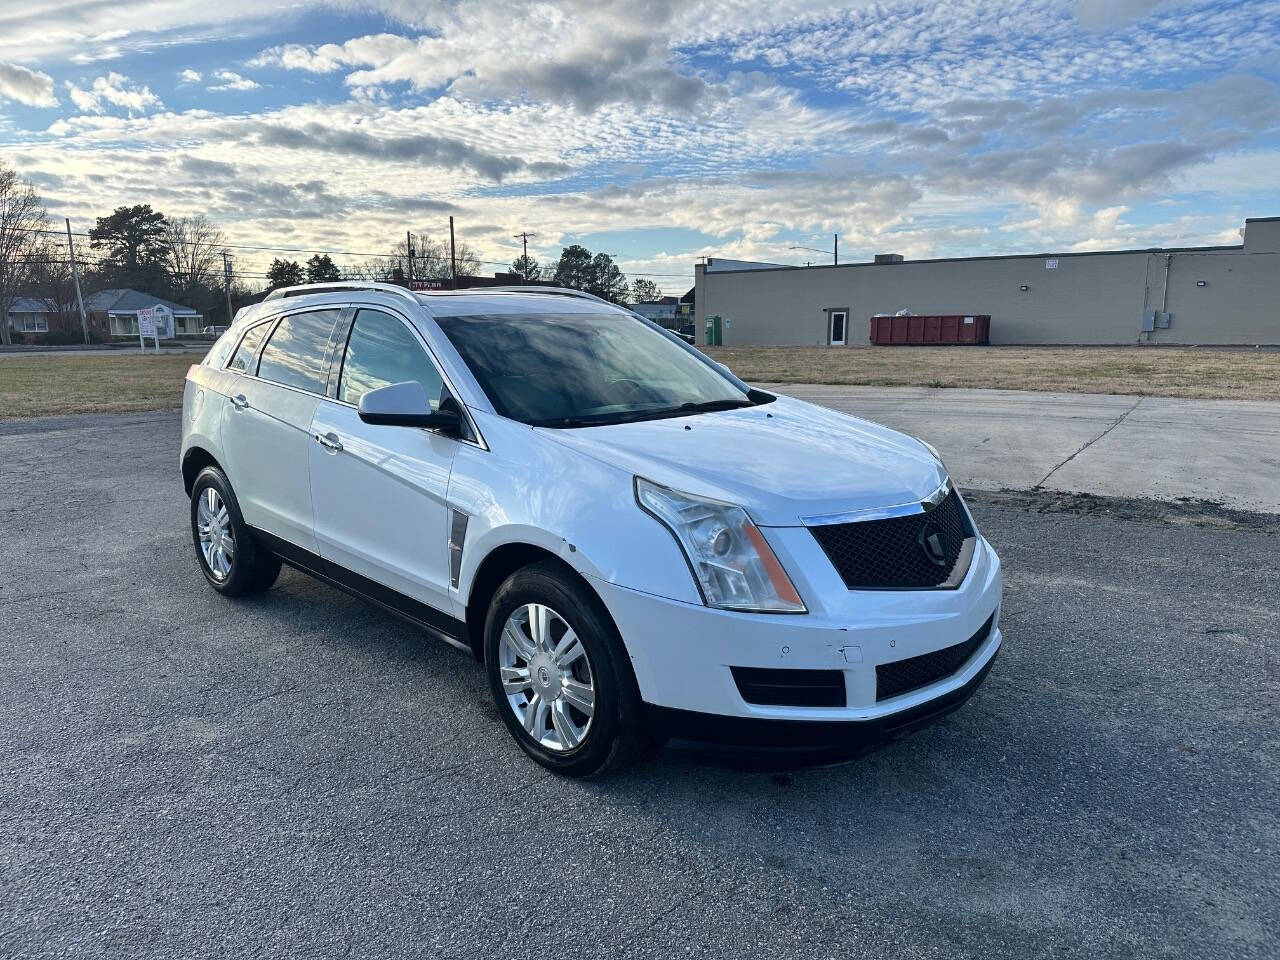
{"x":230,"y":557}
{"x":560,"y":675}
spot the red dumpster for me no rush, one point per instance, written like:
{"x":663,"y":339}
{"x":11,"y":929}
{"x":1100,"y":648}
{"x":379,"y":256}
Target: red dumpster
{"x":973,"y":328}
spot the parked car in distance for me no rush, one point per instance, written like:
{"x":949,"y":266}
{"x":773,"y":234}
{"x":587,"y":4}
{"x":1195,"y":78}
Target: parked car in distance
{"x":635,"y":543}
{"x":686,"y":333}
{"x":214,"y":331}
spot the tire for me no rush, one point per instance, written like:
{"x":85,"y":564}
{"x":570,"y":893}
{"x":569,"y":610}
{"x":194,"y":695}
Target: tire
{"x":240,"y":565}
{"x":616,"y":733}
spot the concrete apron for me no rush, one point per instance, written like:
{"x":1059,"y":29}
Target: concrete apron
{"x":1225,"y":451}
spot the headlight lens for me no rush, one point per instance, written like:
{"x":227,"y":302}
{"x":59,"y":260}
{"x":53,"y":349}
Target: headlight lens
{"x":733,"y":565}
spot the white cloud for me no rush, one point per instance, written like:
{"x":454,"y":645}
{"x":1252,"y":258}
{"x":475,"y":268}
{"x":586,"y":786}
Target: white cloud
{"x":31,"y":87}
{"x":229,"y":80}
{"x":115,"y":90}
{"x":926,"y":129}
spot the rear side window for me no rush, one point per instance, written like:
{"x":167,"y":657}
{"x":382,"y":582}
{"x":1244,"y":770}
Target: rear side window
{"x":248,"y":349}
{"x":381,"y":352}
{"x":218,"y":352}
{"x":294,"y":356}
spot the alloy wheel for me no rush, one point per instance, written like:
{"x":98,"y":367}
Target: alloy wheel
{"x":546,"y":676}
{"x":213,"y":527}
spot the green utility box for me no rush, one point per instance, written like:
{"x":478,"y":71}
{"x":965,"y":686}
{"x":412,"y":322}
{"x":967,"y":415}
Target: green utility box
{"x":715,"y":331}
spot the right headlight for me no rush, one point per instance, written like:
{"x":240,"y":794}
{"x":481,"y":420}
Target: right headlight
{"x":734,"y":567}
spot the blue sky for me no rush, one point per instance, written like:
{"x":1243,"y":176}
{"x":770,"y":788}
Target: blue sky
{"x":657,"y":131}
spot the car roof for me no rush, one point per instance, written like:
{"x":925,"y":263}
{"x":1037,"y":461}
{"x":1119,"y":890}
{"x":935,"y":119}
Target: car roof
{"x":478,"y":300}
{"x":458,"y":303}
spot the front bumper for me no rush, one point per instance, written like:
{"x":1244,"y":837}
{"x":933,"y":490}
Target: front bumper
{"x":682,"y":655}
{"x":850,"y":736}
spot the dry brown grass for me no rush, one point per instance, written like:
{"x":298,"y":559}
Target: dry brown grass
{"x":1145,"y":371}
{"x":47,"y":384}
{"x":50,"y":384}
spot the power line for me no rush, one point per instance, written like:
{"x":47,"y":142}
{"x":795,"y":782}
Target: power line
{"x":101,"y":258}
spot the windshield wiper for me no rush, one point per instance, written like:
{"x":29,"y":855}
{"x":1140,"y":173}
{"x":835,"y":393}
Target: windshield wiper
{"x":632,"y":416}
{"x":707,"y":406}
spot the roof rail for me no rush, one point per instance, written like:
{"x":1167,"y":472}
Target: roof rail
{"x":336,"y":287}
{"x":560,"y":291}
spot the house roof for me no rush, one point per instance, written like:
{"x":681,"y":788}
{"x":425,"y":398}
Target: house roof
{"x":124,"y":300}
{"x":32,"y":305}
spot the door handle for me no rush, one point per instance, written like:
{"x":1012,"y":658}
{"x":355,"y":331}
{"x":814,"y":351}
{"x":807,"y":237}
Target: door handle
{"x":329,"y":441}
{"x":240,"y":401}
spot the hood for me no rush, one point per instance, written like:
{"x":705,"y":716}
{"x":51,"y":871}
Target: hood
{"x":782,"y":461}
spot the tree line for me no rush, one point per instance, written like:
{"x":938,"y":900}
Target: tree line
{"x":419,"y":257}
{"x":181,"y":259}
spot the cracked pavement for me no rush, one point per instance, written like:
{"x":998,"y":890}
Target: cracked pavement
{"x":299,"y":774}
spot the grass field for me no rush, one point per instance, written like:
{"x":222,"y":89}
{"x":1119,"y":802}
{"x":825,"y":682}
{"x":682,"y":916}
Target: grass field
{"x":51,"y":384}
{"x":1145,"y":371}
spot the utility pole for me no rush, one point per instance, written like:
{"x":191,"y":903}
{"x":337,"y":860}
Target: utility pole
{"x":453,"y":257}
{"x":835,"y":249}
{"x":408,"y":246}
{"x":226,"y":283}
{"x":75,"y":275}
{"x":523,"y":237}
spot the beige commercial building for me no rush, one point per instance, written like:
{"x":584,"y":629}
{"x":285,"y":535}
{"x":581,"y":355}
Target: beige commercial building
{"x":1188,"y":295}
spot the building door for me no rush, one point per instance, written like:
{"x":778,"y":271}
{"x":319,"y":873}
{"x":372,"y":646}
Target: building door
{"x":839,"y":320}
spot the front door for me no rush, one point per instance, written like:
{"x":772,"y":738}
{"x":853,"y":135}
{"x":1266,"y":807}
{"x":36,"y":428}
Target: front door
{"x":839,"y":320}
{"x":379,"y":491}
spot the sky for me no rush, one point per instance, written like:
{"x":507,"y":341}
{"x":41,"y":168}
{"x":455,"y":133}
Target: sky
{"x":659,"y":132}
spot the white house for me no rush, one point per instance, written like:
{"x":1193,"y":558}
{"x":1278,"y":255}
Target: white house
{"x":31,"y":315}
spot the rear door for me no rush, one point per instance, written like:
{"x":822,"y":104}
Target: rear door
{"x":267,"y":420}
{"x":379,"y":491}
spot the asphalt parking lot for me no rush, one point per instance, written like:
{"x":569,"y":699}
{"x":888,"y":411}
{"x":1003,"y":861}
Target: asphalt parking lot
{"x":299,"y":774}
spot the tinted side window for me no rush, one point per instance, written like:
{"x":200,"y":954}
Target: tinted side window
{"x":383,"y":351}
{"x":248,"y":349}
{"x":294,"y":356}
{"x":218,"y":352}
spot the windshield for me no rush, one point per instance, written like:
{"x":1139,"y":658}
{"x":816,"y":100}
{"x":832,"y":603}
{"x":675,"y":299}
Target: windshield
{"x":585,"y":369}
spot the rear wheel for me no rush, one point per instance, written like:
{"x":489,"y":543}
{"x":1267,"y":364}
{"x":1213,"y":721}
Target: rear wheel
{"x":230,"y":557}
{"x":560,"y":675}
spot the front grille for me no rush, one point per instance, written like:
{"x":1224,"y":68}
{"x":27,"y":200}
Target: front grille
{"x":903,"y":676}
{"x":790,"y":688}
{"x":892,"y":554}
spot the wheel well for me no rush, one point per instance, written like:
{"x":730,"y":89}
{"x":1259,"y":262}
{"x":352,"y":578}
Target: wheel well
{"x":494,"y":570}
{"x":196,"y":459}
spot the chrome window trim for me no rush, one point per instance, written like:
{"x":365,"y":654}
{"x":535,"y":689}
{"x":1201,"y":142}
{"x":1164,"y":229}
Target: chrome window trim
{"x":883,"y":513}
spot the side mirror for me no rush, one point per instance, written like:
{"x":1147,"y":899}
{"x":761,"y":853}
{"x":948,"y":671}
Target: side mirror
{"x":407,"y":405}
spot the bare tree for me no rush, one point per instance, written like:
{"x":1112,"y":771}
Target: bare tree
{"x":431,"y":258}
{"x":21,"y":214}
{"x":192,"y":255}
{"x":50,"y":278}
{"x":430,"y":261}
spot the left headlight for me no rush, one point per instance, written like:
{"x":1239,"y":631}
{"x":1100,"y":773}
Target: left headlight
{"x":732,"y":564}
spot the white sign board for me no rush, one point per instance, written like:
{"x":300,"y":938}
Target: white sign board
{"x":1051,"y":264}
{"x":147,"y":328}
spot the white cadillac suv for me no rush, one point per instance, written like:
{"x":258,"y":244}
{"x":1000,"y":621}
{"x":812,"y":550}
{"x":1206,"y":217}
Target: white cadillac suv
{"x":634,"y":542}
